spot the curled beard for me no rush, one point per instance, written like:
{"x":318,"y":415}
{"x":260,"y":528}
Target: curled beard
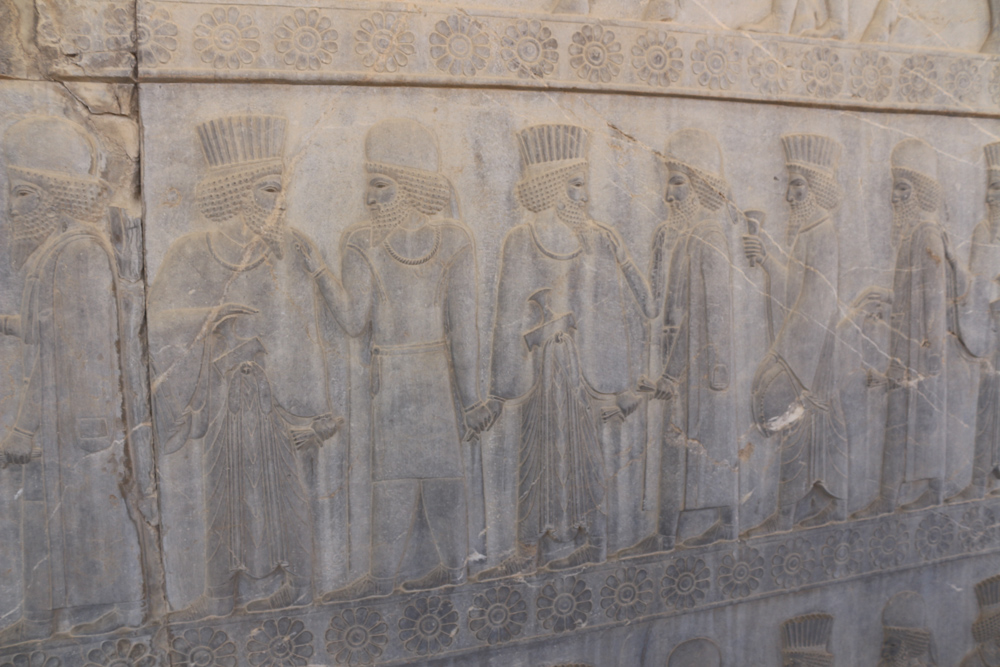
{"x":572,"y":213}
{"x":904,"y":215}
{"x":385,"y":217}
{"x":682,"y":211}
{"x":30,"y":230}
{"x":801,"y":213}
{"x":268,"y":225}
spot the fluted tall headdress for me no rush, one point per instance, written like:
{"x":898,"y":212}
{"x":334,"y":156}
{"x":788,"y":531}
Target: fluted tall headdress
{"x":61,"y":157}
{"x":697,"y":154}
{"x":817,"y":158}
{"x":407,"y":152}
{"x":238,"y":150}
{"x":807,"y":637}
{"x":904,"y":618}
{"x":549,"y":154}
{"x":986,"y":627}
{"x":917,"y":162}
{"x":992,"y":155}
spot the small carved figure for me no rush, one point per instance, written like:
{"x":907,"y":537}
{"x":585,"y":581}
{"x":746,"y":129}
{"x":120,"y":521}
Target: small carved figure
{"x":925,"y":287}
{"x":691,"y":274}
{"x":561,"y":352}
{"x":982,"y":322}
{"x":805,"y":641}
{"x":698,"y":652}
{"x":411,"y":278}
{"x":829,"y":18}
{"x":906,"y":640}
{"x":887,"y":14}
{"x":81,"y":551}
{"x":986,"y":627}
{"x":794,"y":390}
{"x":239,"y":366}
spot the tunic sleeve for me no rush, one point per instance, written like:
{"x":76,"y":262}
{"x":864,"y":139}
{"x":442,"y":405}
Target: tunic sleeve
{"x":510,"y":365}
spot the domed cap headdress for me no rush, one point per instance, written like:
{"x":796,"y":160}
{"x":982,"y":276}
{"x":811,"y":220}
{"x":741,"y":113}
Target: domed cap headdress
{"x":61,"y":157}
{"x":407,"y":152}
{"x":917,"y":162}
{"x":549,"y":154}
{"x":817,"y":158}
{"x":697,"y":154}
{"x":807,"y":638}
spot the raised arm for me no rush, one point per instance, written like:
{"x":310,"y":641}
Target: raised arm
{"x":350,"y":299}
{"x":461,"y":313}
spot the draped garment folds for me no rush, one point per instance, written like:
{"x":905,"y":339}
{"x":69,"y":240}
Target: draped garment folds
{"x":560,"y":345}
{"x":698,"y":344}
{"x":984,"y":308}
{"x":923,"y":289}
{"x":77,"y":532}
{"x":240,"y":390}
{"x":814,"y":448}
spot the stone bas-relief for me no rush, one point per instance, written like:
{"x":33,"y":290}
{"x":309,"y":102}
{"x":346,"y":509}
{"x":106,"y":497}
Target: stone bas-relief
{"x":480,"y":374}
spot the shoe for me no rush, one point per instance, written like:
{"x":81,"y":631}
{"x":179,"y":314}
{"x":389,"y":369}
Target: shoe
{"x":717,"y":532}
{"x":776,"y":523}
{"x":651,"y":544}
{"x":365,"y":587}
{"x":439,"y":577}
{"x":877,"y":507}
{"x":928,"y":498}
{"x":109,"y":622}
{"x":835,"y":510}
{"x":971,"y":492}
{"x":203,"y":607}
{"x":24,"y":631}
{"x":284,"y":597}
{"x":585,"y":554}
{"x":510,"y":567}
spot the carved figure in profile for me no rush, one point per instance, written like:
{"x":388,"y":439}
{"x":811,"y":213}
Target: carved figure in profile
{"x":698,"y":652}
{"x":561,"y":352}
{"x":906,"y":640}
{"x":239,"y":368}
{"x":794,"y":391}
{"x":981,"y":322}
{"x":986,"y":627}
{"x":82,"y":569}
{"x":411,"y":278}
{"x":690,"y":274}
{"x":925,"y":287}
{"x":828,"y":18}
{"x":888,"y":12}
{"x":805,"y":641}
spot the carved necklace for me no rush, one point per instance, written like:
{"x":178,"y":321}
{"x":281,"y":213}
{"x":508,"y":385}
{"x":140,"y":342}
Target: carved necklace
{"x":415,"y":260}
{"x":238,"y":268}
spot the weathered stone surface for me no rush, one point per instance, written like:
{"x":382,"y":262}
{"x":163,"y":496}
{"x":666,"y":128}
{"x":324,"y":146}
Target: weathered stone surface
{"x":592,"y":333}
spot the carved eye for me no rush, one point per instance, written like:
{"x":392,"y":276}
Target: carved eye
{"x":271,"y":189}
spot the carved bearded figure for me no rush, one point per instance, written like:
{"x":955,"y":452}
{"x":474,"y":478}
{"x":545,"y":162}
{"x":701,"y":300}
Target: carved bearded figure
{"x":691,"y":275}
{"x":560,"y":352}
{"x":409,"y":275}
{"x":986,"y":627}
{"x":794,"y":389}
{"x":906,"y":641}
{"x":805,"y":641}
{"x":925,"y":287}
{"x":69,"y":435}
{"x":982,"y":314}
{"x":239,"y":369}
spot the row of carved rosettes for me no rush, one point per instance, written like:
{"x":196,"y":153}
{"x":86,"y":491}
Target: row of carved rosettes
{"x":435,"y":45}
{"x":452,"y":621}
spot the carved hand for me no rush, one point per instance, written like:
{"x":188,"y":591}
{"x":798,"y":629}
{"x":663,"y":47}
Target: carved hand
{"x":478,"y":418}
{"x":312,"y":266}
{"x":627,"y":402}
{"x":325,"y":426}
{"x":666,"y":389}
{"x":16,"y":448}
{"x":720,"y":377}
{"x":621,"y":252}
{"x":754,"y":250}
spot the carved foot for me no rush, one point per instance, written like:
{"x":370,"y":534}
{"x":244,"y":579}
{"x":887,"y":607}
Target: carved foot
{"x":508,"y":568}
{"x":770,"y":23}
{"x":284,"y":597}
{"x":971,"y":492}
{"x":660,"y":10}
{"x":439,"y":577}
{"x":877,"y":507}
{"x":992,"y":43}
{"x":365,"y":587}
{"x":829,"y":30}
{"x":928,"y":498}
{"x":585,"y":554}
{"x":651,"y":544}
{"x":203,"y":607}
{"x":108,"y":622}
{"x":719,"y":531}
{"x":835,"y":510}
{"x":776,"y":523}
{"x":24,"y":631}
